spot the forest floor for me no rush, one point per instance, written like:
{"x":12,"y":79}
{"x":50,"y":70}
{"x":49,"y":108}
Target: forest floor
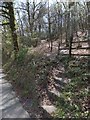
{"x":44,"y":49}
{"x":41,"y":78}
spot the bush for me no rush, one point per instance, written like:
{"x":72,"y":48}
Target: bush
{"x":21,"y":54}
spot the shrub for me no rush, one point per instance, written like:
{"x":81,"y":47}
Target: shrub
{"x":21,"y":54}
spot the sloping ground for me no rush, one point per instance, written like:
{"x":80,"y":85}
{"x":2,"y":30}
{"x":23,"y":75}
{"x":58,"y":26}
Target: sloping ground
{"x":74,"y":101}
{"x":28,"y":79}
{"x":39,"y":79}
{"x":32,"y":79}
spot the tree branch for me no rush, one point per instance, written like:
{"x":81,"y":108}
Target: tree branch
{"x":5,"y":16}
{"x":5,"y":23}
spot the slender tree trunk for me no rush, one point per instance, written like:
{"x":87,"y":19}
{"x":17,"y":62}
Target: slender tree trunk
{"x":68,"y":29}
{"x":28,"y":12}
{"x":49,"y":28}
{"x":66,"y":39}
{"x":71,"y":28}
{"x":59,"y":43}
{"x":70,"y":45}
{"x":61,"y":27}
{"x":33,"y":17}
{"x":81,"y":21}
{"x":22,"y":30}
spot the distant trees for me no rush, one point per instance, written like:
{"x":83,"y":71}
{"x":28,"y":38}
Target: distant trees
{"x":88,"y":17}
{"x":41,"y":20}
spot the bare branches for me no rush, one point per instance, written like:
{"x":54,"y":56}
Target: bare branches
{"x":5,"y":16}
{"x":19,"y":8}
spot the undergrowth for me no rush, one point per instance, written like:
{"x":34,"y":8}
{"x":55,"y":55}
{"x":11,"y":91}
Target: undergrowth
{"x":31,"y":71}
{"x":28,"y":72}
{"x":75,"y":99}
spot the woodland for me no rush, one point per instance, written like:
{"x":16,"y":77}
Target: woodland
{"x":46,"y":56}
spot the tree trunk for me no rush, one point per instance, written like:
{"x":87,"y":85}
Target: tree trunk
{"x":70,"y":28}
{"x":49,"y":28}
{"x":66,"y":39}
{"x":22,"y":30}
{"x":29,"y":20}
{"x":12,"y":26}
{"x":60,"y":18}
{"x":70,"y":45}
